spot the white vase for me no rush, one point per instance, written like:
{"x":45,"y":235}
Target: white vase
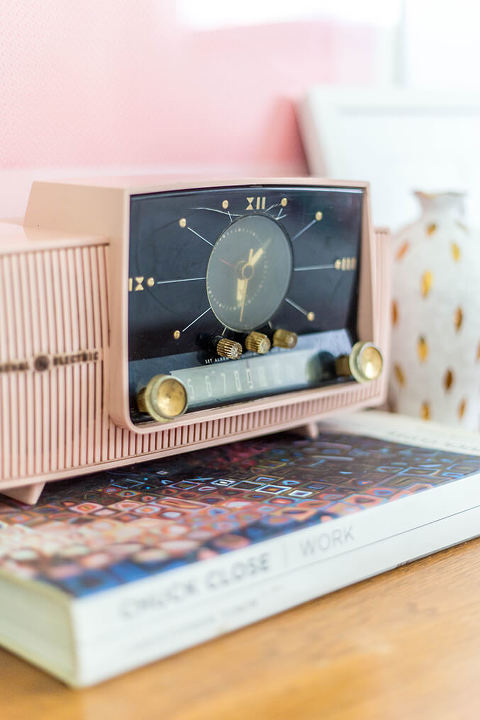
{"x":435,"y":370}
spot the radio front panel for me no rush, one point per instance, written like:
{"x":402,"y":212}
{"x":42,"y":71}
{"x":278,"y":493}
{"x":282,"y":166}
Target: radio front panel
{"x":210,"y":269}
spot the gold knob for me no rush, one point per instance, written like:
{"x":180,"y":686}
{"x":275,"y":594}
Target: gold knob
{"x":284,"y":339}
{"x":229,"y":348}
{"x":164,"y":398}
{"x":258,"y":343}
{"x":365,"y":362}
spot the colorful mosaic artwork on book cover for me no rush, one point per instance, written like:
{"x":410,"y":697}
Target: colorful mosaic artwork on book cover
{"x":115,"y":527}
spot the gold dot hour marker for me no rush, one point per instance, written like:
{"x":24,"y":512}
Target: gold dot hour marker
{"x":150,"y":282}
{"x":318,"y":215}
{"x":176,"y":334}
{"x":225,"y":204}
{"x":311,"y":316}
{"x":283,"y":202}
{"x":182,"y":222}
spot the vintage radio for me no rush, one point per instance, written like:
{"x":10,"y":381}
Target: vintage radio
{"x":140,"y":319}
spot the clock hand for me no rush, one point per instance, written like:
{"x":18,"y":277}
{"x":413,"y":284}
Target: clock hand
{"x":244,"y":297}
{"x":253,"y":259}
{"x":243,"y":282}
{"x":241,"y":288}
{"x":227,"y":263}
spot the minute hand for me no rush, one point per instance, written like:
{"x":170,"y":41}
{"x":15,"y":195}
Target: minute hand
{"x":241,"y":289}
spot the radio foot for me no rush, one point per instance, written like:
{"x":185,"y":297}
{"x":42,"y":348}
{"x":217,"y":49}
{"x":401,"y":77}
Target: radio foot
{"x":27,"y":494}
{"x":310,"y":430}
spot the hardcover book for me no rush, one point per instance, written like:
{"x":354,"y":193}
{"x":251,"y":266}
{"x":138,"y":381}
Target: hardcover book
{"x":130,"y":565}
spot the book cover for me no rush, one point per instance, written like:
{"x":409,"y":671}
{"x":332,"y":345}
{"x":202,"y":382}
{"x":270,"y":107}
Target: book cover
{"x":88,"y":539}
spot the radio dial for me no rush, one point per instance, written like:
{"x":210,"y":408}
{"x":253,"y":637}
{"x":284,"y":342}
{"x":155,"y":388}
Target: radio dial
{"x":364,"y":363}
{"x":164,"y":398}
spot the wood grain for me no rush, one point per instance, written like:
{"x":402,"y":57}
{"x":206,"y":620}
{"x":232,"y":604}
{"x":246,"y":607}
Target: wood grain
{"x":402,"y":645}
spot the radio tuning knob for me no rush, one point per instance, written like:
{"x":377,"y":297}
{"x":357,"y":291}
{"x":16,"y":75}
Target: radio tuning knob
{"x":364,"y":363}
{"x":228,"y":348}
{"x":257,"y":342}
{"x":284,"y":339}
{"x":164,"y":398}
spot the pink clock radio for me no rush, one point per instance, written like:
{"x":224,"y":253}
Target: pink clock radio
{"x":141,"y":318}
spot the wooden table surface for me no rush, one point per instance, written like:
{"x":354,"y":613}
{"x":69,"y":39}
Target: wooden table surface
{"x":402,"y":645}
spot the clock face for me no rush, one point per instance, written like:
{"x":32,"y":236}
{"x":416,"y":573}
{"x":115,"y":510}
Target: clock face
{"x":221,"y":263}
{"x":248,"y":272}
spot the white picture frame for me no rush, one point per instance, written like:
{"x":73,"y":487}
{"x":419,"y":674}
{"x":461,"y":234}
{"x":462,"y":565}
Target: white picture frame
{"x":398,"y":140}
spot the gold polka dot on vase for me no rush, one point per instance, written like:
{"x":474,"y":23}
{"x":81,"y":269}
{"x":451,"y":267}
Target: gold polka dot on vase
{"x":461,"y":408}
{"x":458,"y":320}
{"x":425,"y":411}
{"x":478,"y":351}
{"x":399,"y":374}
{"x":402,"y":250}
{"x":395,"y":313}
{"x":431,"y":228}
{"x":448,"y":379}
{"x":426,"y":283}
{"x":456,"y":252}
{"x":422,"y":348}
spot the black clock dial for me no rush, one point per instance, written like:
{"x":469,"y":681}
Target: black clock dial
{"x":249,"y":272}
{"x":228,"y":261}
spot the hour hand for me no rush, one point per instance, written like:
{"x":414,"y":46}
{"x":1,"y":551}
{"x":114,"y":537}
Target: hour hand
{"x":255,"y":257}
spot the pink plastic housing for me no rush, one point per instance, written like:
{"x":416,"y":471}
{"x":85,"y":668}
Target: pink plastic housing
{"x":63,"y":340}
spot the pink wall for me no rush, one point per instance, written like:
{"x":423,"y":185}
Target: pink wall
{"x":119,"y":82}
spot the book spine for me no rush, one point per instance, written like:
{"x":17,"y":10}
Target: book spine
{"x":120,"y":629}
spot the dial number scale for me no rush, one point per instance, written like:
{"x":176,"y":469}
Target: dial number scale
{"x":209,"y":267}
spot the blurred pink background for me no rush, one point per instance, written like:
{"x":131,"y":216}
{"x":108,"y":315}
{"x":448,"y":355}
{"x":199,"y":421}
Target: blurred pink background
{"x":121,"y":85}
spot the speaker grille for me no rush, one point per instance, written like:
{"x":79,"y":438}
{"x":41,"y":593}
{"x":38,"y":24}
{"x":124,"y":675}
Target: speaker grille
{"x":52,"y":305}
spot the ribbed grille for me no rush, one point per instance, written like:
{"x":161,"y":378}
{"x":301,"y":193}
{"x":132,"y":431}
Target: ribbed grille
{"x":54,"y":303}
{"x":238,"y":425}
